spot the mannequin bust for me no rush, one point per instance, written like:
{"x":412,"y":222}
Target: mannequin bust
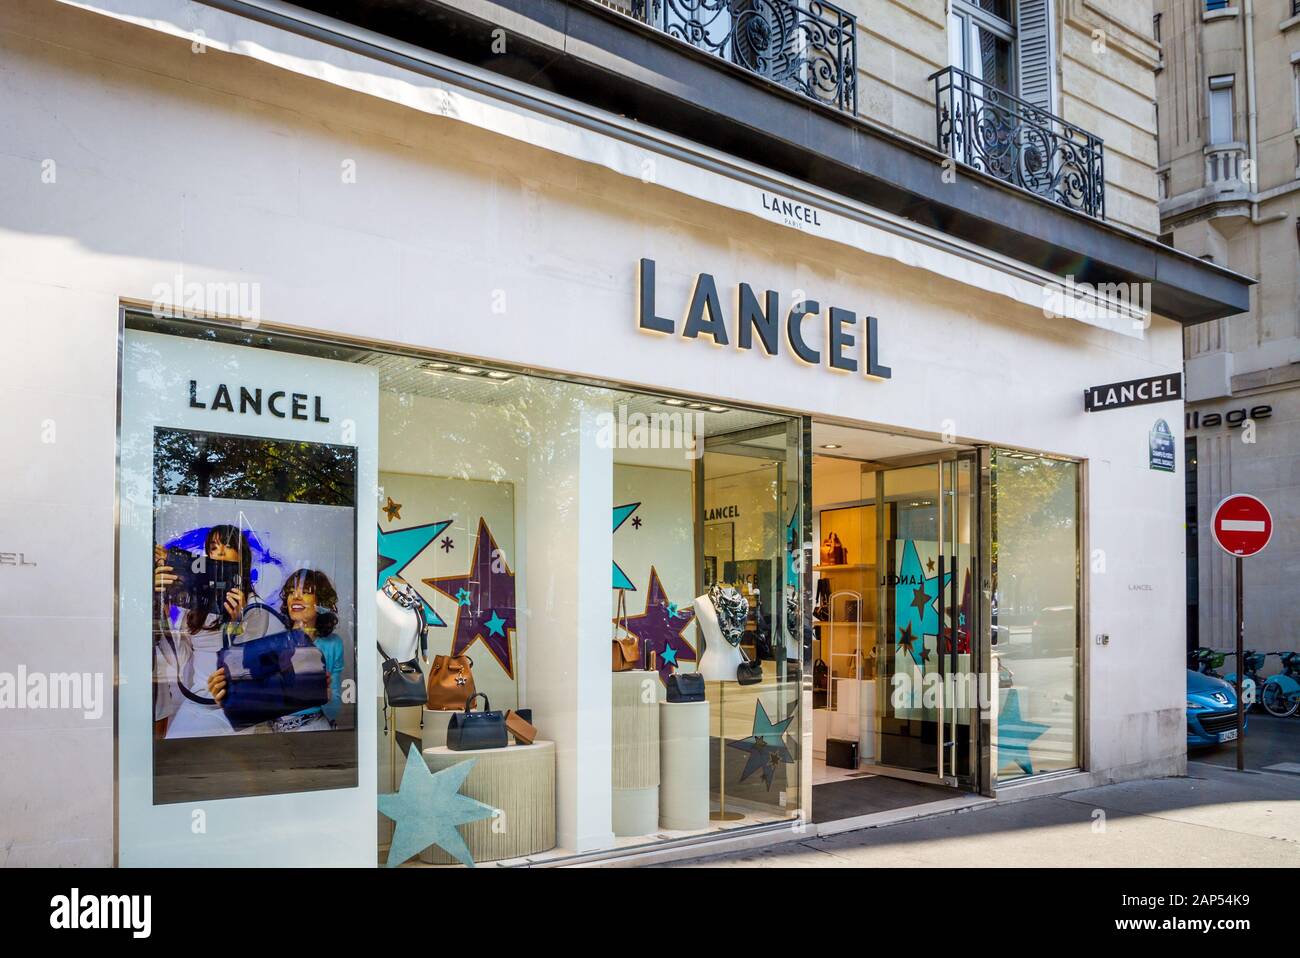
{"x":397,"y":623}
{"x":720,"y":658}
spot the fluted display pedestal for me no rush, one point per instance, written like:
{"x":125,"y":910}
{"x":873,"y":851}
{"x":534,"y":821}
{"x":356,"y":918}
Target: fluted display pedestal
{"x":518,"y":780}
{"x":434,"y":732}
{"x":635,"y":753}
{"x":684,"y":765}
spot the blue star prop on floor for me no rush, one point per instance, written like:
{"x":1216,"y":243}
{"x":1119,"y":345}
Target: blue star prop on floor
{"x":659,"y":632}
{"x":621,"y":514}
{"x":485,"y":601}
{"x":914,"y":601}
{"x":426,"y":809}
{"x":1016,"y":733}
{"x":766,"y":746}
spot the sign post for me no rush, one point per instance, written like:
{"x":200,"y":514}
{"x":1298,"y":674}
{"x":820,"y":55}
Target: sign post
{"x":1242,"y":527}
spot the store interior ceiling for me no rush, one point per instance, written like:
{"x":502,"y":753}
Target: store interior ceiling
{"x":872,"y":446}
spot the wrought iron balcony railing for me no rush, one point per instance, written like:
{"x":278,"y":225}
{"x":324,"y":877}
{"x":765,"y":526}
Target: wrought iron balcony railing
{"x":1010,"y":138}
{"x":806,"y":45}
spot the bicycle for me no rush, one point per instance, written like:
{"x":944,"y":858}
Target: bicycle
{"x":1280,"y":695}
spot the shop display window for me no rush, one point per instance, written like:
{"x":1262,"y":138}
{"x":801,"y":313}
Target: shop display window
{"x":378,"y":608}
{"x":1036,"y":576}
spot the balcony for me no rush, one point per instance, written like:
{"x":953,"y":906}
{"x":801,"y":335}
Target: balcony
{"x":1226,"y":169}
{"x":809,"y":46}
{"x":1015,"y":141}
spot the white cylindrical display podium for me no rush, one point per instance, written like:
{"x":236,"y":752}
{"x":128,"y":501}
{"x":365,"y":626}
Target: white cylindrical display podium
{"x":635,"y":753}
{"x":434,"y":732}
{"x":684,"y":765}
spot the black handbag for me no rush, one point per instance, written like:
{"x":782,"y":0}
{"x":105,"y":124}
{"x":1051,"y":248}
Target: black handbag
{"x":469,"y":730}
{"x":271,"y":677}
{"x":748,"y":672}
{"x":403,"y":682}
{"x":686,"y":687}
{"x":821,"y":675}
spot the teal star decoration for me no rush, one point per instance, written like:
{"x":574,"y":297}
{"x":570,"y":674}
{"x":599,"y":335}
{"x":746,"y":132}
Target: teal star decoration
{"x":669,"y":655}
{"x":766,"y":746}
{"x":792,"y":549}
{"x":1015,"y":734}
{"x":915,"y":595}
{"x":427,"y":808}
{"x":496,"y":624}
{"x":673,"y":609}
{"x":398,"y":549}
{"x":462,"y":597}
{"x":621,"y":514}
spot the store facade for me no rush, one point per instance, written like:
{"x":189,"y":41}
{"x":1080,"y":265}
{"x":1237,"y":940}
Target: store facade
{"x":561,"y":379}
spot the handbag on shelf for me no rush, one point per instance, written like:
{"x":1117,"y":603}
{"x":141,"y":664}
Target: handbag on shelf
{"x":685,"y":687}
{"x":627,"y":650}
{"x":821,"y":674}
{"x":521,"y":726}
{"x":403,"y":682}
{"x":451,"y":682}
{"x":749,"y":671}
{"x":469,"y":730}
{"x":833,"y":551}
{"x":271,"y":677}
{"x":821,"y":610}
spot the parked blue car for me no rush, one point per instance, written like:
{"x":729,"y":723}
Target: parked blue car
{"x":1211,"y":710}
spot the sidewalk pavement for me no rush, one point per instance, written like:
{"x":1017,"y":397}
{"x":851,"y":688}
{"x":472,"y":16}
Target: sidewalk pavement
{"x":1213,"y":817}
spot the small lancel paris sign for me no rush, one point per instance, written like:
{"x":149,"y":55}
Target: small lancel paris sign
{"x":848,"y":345}
{"x":789,"y":212}
{"x":1134,"y":392}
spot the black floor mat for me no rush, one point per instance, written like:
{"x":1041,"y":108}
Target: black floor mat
{"x":863,"y":796}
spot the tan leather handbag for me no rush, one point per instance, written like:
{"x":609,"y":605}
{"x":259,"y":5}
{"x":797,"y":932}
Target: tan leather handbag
{"x":451,"y":682}
{"x":523,"y":730}
{"x":627,"y":650}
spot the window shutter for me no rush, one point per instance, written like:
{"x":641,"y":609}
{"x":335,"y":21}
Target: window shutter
{"x":1036,"y":67}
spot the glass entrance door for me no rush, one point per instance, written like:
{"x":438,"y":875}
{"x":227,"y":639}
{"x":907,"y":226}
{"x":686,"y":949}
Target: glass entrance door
{"x":926,"y":723}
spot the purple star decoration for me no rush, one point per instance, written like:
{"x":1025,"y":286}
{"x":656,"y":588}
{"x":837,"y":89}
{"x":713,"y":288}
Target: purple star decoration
{"x":658,"y":631}
{"x":489,"y":615}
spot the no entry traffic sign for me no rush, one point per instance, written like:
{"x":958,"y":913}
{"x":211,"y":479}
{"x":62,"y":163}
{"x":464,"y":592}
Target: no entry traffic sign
{"x":1242,"y":525}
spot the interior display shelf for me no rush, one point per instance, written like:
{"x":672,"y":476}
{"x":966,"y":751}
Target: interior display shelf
{"x":858,"y":567}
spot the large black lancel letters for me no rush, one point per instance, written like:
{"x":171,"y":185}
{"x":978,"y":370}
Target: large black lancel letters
{"x":762,"y":321}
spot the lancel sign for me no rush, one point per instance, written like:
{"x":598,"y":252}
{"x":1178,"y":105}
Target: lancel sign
{"x":846,"y":344}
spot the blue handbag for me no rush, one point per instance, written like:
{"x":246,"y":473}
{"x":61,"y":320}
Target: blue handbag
{"x":470,"y":730}
{"x":271,"y":677}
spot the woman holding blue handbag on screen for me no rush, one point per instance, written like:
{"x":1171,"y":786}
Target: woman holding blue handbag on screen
{"x":216,"y":599}
{"x":308,"y":604}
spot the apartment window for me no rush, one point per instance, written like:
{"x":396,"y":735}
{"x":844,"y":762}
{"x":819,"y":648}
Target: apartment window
{"x":982,"y":40}
{"x":1220,"y":110}
{"x":1295,"y":91}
